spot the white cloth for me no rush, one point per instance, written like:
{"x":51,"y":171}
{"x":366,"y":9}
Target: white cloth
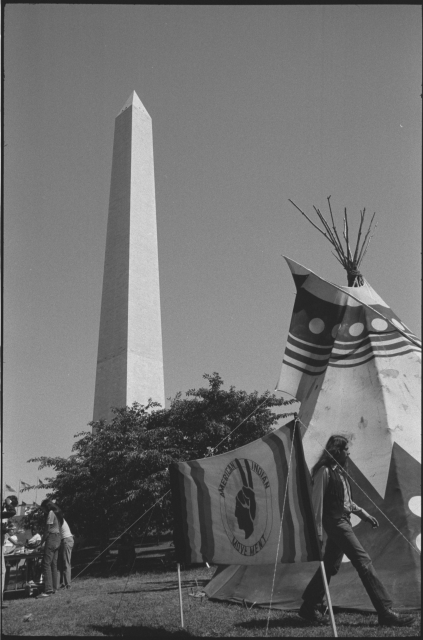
{"x":8,"y":547}
{"x":34,"y":539}
{"x":65,"y":531}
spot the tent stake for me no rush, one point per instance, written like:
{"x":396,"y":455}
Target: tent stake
{"x":325,"y":582}
{"x":180,"y":595}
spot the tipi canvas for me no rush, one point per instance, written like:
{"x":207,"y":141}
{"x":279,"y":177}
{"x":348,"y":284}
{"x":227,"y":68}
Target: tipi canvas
{"x":356,"y":369}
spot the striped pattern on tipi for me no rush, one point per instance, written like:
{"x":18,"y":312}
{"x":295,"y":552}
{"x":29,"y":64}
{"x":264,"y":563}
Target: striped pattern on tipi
{"x":355,"y":368}
{"x":331,"y":327}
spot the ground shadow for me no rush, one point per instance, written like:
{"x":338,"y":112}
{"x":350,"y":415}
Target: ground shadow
{"x":150,"y":590}
{"x":169,"y":585}
{"x":140,"y":631}
{"x":295,"y":622}
{"x":16,"y":594}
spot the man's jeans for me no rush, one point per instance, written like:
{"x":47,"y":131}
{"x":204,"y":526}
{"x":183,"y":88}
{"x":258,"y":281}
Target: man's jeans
{"x":342,"y":540}
{"x":65,"y":553}
{"x":51,"y":551}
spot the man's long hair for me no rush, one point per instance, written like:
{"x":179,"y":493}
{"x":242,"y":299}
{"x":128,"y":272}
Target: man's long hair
{"x":330,"y":453}
{"x":51,"y":506}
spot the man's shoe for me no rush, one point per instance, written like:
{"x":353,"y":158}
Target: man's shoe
{"x":392,"y":619}
{"x":311,"y":613}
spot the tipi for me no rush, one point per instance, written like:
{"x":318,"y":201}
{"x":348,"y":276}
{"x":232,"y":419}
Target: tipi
{"x":356,"y":369}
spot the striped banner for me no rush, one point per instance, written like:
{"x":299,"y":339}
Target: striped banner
{"x":228,"y":508}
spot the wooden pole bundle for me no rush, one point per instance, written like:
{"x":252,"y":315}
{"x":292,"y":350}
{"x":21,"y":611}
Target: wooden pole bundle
{"x":349,"y":260}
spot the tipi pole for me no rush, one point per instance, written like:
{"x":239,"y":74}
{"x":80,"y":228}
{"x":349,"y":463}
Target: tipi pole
{"x":180,"y":595}
{"x":325,"y":582}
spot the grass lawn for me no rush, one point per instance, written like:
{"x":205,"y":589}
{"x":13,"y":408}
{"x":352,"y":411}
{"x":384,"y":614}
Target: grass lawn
{"x":146,"y":605}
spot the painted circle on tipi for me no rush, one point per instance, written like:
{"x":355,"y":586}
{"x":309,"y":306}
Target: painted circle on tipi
{"x":379,"y":324}
{"x":415,"y":505}
{"x":356,"y":329}
{"x":316,"y":325}
{"x":398,"y":324}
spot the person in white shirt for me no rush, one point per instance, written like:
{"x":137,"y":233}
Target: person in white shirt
{"x":10,"y":544}
{"x":65,"y":554}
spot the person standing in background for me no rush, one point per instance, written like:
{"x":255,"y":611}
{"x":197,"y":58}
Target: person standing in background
{"x":8,"y":510}
{"x":65,"y":554}
{"x":51,"y":537}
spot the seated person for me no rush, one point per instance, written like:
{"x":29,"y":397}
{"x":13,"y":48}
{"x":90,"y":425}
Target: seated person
{"x":11,"y":544}
{"x":33,"y":542}
{"x":10,"y":548}
{"x":34,"y":564}
{"x":8,"y":510}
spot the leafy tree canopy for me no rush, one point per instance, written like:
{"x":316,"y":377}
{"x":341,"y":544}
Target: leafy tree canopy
{"x":117,"y":471}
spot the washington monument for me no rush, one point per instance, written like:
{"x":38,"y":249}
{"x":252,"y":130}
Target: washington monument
{"x":130,"y":354}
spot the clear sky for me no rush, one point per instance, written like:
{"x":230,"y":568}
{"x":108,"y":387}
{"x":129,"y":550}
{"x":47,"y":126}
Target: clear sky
{"x":251,"y":105}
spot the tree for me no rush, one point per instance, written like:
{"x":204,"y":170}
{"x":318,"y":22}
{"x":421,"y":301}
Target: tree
{"x":119,"y":470}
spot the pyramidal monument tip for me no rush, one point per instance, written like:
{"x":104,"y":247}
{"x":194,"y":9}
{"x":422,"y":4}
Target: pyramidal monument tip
{"x":134,"y":101}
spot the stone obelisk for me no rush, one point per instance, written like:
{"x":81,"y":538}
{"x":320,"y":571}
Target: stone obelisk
{"x":130,"y":353}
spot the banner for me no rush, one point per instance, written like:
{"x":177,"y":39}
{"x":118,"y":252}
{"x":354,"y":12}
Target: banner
{"x":228,"y":508}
